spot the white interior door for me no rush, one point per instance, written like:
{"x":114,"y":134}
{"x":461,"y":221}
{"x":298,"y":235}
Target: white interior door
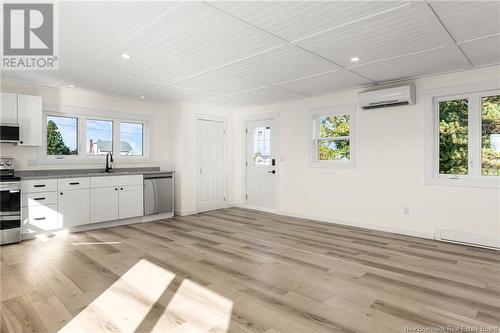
{"x":261,"y":151}
{"x":210,"y":150}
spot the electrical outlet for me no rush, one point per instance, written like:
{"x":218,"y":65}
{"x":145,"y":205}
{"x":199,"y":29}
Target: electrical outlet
{"x":31,"y":162}
{"x":406,"y":210}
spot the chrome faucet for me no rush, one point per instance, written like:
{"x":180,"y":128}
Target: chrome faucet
{"x":108,"y":165}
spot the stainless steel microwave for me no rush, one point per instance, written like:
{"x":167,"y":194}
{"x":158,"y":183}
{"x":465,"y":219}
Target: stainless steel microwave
{"x":9,"y":133}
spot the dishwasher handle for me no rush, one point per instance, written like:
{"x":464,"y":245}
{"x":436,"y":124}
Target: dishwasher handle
{"x":157,"y":176}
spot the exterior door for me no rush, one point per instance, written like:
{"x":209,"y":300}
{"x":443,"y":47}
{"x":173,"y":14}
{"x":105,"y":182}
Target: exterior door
{"x":261,"y":165}
{"x":211,"y":177}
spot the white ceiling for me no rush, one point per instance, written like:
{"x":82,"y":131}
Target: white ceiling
{"x":253,"y":52}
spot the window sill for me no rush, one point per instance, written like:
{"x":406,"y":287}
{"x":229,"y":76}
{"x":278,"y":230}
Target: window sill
{"x":464,"y":182}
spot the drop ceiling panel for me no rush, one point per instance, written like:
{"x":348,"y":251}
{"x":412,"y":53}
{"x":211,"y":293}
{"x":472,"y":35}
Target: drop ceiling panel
{"x":326,"y":83}
{"x":391,"y":34}
{"x":147,"y":65}
{"x":80,"y":49}
{"x":483,"y":51}
{"x":218,"y":83}
{"x":469,"y":19}
{"x":425,"y":63}
{"x":281,"y":64}
{"x":167,"y":94}
{"x":110,"y":20}
{"x":267,"y":95}
{"x":204,"y":36}
{"x":110,"y":84}
{"x":45,"y":78}
{"x":292,"y":20}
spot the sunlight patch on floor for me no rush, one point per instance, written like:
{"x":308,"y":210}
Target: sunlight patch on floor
{"x":144,"y":299}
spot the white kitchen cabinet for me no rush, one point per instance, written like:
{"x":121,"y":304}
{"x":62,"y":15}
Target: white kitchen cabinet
{"x":130,"y":201}
{"x":9,"y":108}
{"x":29,"y":118}
{"x":103,"y":204}
{"x":74,"y":207}
{"x":116,"y":197}
{"x":40,"y":218}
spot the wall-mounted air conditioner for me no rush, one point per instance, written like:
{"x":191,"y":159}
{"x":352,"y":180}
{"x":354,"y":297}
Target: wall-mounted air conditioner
{"x":386,"y":97}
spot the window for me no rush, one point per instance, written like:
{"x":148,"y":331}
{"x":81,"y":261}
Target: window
{"x":131,"y":138}
{"x":454,"y":137}
{"x":62,"y":135}
{"x":88,"y":136}
{"x":262,"y":146}
{"x":490,"y":135}
{"x":99,"y":137}
{"x":333,"y":136}
{"x":466,"y":145}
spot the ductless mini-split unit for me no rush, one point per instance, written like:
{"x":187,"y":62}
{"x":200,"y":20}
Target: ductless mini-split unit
{"x":387,"y":97}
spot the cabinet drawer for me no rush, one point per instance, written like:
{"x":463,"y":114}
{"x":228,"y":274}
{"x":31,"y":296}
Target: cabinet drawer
{"x":113,"y":181}
{"x":40,"y":218}
{"x":40,"y":185}
{"x":73,"y":183}
{"x":38,"y":199}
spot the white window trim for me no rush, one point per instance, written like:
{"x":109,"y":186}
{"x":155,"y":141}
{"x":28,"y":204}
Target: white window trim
{"x":473,"y":92}
{"x":334,"y":110}
{"x":86,"y":113}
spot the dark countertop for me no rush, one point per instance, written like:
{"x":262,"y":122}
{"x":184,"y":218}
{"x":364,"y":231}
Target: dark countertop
{"x":70,"y":173}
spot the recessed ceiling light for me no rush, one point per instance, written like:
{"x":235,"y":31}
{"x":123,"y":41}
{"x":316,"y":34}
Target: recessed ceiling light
{"x":354,"y":59}
{"x":126,"y":56}
{"x":71,"y":85}
{"x":142,"y":97}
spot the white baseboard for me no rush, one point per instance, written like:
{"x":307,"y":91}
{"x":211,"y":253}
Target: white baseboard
{"x":467,"y":238}
{"x":378,"y":227}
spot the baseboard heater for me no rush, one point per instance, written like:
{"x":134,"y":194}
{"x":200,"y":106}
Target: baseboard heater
{"x":467,"y":238}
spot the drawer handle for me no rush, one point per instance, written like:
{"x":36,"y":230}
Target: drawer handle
{"x":38,"y":198}
{"x":43,"y":185}
{"x":39,"y":218}
{"x":75,"y":183}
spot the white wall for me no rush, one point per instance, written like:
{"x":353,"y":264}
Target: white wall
{"x":161,"y":141}
{"x":389,"y":171}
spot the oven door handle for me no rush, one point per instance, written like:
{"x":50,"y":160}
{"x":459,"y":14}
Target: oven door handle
{"x":10,"y":217}
{"x":14,"y":191}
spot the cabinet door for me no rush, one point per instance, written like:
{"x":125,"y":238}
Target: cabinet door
{"x":130,"y":201}
{"x":103,"y":204}
{"x":74,"y":207}
{"x":29,"y":114}
{"x":9,"y":109}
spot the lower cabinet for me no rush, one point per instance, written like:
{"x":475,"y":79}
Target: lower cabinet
{"x":74,"y":207}
{"x":104,"y":204}
{"x":40,"y":218}
{"x":130,"y":201}
{"x":113,"y":203}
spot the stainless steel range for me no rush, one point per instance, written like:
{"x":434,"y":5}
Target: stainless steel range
{"x":10,"y":205}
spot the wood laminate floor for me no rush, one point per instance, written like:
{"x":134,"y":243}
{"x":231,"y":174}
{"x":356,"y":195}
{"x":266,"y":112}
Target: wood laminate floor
{"x":245,"y":271}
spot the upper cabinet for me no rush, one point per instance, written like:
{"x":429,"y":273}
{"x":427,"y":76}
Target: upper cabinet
{"x":26,"y":111}
{"x":29,"y":116}
{"x":9,"y":109}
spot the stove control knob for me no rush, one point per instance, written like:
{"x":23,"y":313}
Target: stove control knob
{"x":8,"y":163}
{"x":1,"y":162}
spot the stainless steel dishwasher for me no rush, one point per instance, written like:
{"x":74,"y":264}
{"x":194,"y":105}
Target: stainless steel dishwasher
{"x":158,"y":193}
